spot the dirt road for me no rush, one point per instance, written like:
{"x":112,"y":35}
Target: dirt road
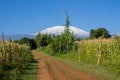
{"x":52,"y":69}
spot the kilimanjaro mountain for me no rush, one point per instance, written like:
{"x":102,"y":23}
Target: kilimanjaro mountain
{"x":57,"y":30}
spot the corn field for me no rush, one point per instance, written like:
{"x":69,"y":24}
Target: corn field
{"x":100,"y":51}
{"x":12,"y":56}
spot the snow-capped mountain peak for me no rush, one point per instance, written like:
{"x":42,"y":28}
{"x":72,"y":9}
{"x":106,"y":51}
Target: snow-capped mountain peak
{"x":57,"y":30}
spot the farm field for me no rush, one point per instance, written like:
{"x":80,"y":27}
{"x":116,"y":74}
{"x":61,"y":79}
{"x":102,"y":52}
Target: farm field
{"x":89,"y":59}
{"x":16,"y":61}
{"x":61,"y":66}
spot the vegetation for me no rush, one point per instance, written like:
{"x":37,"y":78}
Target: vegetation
{"x":30,"y":72}
{"x":13,"y":59}
{"x":43,"y":40}
{"x":99,"y":33}
{"x":28,"y":41}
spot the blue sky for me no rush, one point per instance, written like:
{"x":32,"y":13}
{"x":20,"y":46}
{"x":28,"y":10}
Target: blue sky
{"x":31,"y":16}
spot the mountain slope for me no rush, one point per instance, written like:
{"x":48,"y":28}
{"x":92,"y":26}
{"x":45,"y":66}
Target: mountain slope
{"x":57,"y":30}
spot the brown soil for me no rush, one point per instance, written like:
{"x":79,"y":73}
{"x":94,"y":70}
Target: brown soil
{"x":52,"y":69}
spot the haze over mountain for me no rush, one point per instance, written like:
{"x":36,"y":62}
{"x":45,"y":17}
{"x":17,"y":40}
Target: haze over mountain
{"x":57,"y":30}
{"x":17,"y":36}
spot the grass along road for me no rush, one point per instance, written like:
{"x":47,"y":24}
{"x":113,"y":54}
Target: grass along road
{"x":52,"y":69}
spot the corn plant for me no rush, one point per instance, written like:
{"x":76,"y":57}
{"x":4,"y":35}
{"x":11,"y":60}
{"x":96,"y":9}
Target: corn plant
{"x":13,"y":56}
{"x":100,"y":51}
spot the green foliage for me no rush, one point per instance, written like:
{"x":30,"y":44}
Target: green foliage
{"x":110,"y":49}
{"x":99,"y":33}
{"x":93,"y":33}
{"x":60,"y":43}
{"x":28,"y":41}
{"x":15,"y":57}
{"x":42,"y":40}
{"x":67,"y":24}
{"x":63,"y":43}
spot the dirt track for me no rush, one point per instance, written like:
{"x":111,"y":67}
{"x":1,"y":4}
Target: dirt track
{"x":50,"y":69}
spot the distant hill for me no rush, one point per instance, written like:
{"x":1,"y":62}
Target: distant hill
{"x":17,"y":36}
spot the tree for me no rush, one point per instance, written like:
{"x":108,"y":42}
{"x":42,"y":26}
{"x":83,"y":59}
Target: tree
{"x":67,"y":32}
{"x":43,"y":40}
{"x":67,"y":24}
{"x":28,"y":41}
{"x":99,"y":33}
{"x":63,"y":43}
{"x":93,"y":33}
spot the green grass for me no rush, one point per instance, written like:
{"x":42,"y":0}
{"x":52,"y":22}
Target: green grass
{"x":27,"y":73}
{"x":30,"y":72}
{"x":98,"y":71}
